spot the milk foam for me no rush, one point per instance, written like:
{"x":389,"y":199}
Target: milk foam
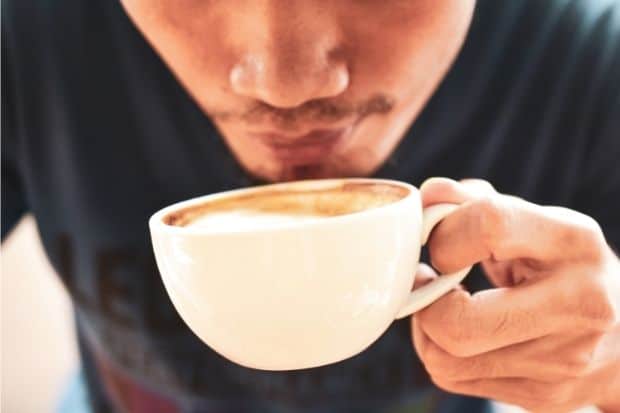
{"x":246,"y":220}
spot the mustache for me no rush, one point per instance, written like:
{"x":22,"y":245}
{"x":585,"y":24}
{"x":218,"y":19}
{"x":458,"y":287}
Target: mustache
{"x":312,"y":111}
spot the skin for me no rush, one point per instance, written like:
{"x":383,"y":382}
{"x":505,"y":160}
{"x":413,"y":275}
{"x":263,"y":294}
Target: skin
{"x":548,"y":337}
{"x":292,"y":66}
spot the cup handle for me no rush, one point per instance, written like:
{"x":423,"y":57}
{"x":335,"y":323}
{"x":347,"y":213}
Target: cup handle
{"x":429,"y":293}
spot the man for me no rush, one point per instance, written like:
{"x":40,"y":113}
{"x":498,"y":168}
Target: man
{"x":112,"y":111}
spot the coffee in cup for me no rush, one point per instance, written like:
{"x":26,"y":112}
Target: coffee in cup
{"x":282,"y":206}
{"x":297,"y":275}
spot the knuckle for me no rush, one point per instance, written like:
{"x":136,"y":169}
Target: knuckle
{"x":458,"y":343}
{"x":587,"y":237}
{"x":578,"y":365}
{"x":597,"y":306}
{"x":582,"y":362}
{"x":447,"y":367}
{"x":433,"y":359}
{"x":577,"y":368}
{"x":591,"y":230}
{"x":451,"y":332}
{"x":489,"y":218}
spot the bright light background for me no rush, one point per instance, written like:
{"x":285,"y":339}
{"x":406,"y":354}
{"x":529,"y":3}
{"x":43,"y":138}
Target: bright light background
{"x":39,"y":353}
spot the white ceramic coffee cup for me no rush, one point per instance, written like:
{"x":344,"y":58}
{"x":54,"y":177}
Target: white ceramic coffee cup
{"x":304,"y":294}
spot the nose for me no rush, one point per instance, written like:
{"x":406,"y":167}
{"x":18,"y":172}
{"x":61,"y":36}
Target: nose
{"x":290,"y":70}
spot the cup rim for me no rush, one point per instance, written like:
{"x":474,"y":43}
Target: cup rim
{"x":156,"y":221}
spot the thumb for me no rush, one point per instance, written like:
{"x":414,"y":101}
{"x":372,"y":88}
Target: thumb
{"x":445,"y":190}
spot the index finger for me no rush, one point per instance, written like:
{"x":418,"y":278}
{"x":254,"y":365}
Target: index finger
{"x":505,"y":228}
{"x":465,"y":325}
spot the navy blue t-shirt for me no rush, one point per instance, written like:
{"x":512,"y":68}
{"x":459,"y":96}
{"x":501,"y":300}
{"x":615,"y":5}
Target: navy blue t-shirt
{"x":97,"y":135}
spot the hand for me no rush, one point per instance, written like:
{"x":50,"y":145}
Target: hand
{"x":547,"y":338}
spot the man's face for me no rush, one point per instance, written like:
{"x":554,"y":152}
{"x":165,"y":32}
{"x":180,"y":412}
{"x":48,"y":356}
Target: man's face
{"x":307,"y":88}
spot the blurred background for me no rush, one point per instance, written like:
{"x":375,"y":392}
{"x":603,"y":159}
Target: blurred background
{"x":39,"y":352}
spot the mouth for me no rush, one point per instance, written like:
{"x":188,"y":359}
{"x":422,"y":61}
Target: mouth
{"x":312,"y":147}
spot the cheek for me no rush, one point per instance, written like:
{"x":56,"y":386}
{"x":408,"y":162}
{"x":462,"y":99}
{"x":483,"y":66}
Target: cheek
{"x":190,"y":42}
{"x":414,"y":48}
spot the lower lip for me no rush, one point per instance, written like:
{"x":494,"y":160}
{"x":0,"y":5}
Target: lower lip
{"x":311,"y":151}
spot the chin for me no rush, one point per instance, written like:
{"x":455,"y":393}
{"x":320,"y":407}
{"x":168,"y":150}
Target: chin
{"x":312,"y":171}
